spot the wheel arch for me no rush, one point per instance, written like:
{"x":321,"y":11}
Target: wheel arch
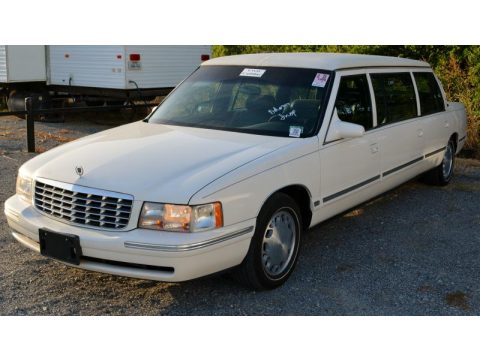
{"x":454,"y":137}
{"x":302,"y":196}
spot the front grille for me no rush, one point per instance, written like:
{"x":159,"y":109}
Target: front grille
{"x":85,"y":207}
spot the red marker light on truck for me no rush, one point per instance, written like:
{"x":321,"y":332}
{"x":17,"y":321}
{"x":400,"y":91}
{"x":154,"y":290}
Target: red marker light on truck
{"x":134,"y":57}
{"x":205,"y":57}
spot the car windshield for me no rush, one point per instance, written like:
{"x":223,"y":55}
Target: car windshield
{"x":260,"y":100}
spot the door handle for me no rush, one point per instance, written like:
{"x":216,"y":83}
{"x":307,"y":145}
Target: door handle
{"x":420,"y":132}
{"x":374,"y":148}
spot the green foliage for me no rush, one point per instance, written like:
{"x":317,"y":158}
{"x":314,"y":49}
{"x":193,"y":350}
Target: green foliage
{"x":457,"y":66}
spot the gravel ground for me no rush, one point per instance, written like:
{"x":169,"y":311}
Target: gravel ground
{"x":413,"y":251}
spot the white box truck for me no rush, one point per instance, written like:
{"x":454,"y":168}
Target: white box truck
{"x":96,"y":74}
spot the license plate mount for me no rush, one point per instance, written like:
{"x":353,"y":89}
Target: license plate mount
{"x":58,"y":246}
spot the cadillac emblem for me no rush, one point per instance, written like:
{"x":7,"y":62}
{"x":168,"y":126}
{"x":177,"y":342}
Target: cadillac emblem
{"x":79,"y":170}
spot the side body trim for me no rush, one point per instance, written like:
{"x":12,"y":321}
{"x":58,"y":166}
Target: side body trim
{"x":434,"y":152}
{"x":187,"y":247}
{"x":400,"y":167}
{"x":351,"y":188}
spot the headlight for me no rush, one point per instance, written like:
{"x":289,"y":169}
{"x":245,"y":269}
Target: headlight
{"x":181,"y":218}
{"x":24,"y":187}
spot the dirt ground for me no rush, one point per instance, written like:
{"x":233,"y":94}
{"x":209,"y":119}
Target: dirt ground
{"x":412,"y":251}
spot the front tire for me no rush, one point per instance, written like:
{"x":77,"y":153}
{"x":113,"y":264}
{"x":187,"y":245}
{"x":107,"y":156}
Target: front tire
{"x":443,"y":173}
{"x":273,"y":250}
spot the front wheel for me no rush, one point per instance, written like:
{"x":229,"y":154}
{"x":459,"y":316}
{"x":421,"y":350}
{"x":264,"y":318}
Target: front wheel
{"x":443,"y":173}
{"x":274,"y":247}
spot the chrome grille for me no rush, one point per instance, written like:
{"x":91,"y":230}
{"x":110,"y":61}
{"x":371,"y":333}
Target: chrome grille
{"x":84,"y":206}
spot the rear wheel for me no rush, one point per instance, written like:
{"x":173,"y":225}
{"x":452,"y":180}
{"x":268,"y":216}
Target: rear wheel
{"x":16,"y":102}
{"x":41,"y":100}
{"x":443,"y":173}
{"x":274,"y":247}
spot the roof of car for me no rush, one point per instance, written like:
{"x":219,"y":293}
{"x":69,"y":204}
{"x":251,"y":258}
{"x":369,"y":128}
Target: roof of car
{"x":325,"y":61}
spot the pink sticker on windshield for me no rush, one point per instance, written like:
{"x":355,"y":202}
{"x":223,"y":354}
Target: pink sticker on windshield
{"x":320,"y":80}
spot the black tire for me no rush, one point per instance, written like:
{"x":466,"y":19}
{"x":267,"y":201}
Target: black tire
{"x":16,"y":102}
{"x":437,"y":176}
{"x":40,"y":101}
{"x":253,"y":272}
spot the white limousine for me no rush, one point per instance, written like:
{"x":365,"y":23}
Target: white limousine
{"x":238,"y":161}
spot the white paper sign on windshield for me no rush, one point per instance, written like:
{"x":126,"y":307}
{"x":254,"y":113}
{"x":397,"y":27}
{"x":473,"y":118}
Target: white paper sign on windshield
{"x":295,"y":131}
{"x":320,"y":80}
{"x":253,"y":72}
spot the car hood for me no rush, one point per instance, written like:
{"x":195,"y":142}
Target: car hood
{"x":153,"y":162}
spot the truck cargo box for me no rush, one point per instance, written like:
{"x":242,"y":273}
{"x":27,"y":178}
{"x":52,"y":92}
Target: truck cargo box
{"x":22,"y":63}
{"x":123,"y":67}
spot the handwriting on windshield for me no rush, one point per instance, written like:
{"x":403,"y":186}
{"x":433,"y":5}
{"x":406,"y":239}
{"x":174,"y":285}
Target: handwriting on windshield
{"x":287,"y":115}
{"x":276,"y":110}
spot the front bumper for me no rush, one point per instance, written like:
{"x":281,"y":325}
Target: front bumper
{"x":139,"y":253}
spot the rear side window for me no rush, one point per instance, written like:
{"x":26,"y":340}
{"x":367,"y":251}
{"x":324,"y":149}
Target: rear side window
{"x":353,"y":101}
{"x":431,"y":99}
{"x":395,"y":97}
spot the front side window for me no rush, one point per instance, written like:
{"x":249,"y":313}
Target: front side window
{"x":431,"y":99}
{"x":394,"y":96}
{"x":353,"y":101}
{"x":265,"y":101}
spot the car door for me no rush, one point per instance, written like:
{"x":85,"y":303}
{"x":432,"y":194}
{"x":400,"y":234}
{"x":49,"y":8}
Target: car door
{"x":400,"y":133}
{"x":349,"y":165}
{"x":434,"y":119}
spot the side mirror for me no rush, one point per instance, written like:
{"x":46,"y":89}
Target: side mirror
{"x":343,"y":130}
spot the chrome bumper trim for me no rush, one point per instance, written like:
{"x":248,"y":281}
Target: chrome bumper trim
{"x":26,"y":241}
{"x":187,"y":247}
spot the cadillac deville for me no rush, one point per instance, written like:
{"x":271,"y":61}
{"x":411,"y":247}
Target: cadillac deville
{"x":235,"y":165}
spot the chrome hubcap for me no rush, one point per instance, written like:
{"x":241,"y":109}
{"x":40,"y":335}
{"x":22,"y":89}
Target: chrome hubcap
{"x":278,"y":243}
{"x":447,"y":161}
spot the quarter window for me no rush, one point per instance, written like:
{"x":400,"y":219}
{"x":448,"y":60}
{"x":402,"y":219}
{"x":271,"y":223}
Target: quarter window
{"x":431,"y":99}
{"x":394,"y":96}
{"x":353,"y":102}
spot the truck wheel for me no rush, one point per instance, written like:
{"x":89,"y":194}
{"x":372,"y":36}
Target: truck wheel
{"x":443,"y":173}
{"x":40,"y":101}
{"x":273,"y":250}
{"x":16,"y":102}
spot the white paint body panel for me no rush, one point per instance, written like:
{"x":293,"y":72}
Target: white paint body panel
{"x":101,"y":66}
{"x":184,"y":165}
{"x":152,"y":162}
{"x":325,"y":61}
{"x":22,"y":63}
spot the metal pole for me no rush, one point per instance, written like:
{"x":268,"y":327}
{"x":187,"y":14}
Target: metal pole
{"x":30,"y":125}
